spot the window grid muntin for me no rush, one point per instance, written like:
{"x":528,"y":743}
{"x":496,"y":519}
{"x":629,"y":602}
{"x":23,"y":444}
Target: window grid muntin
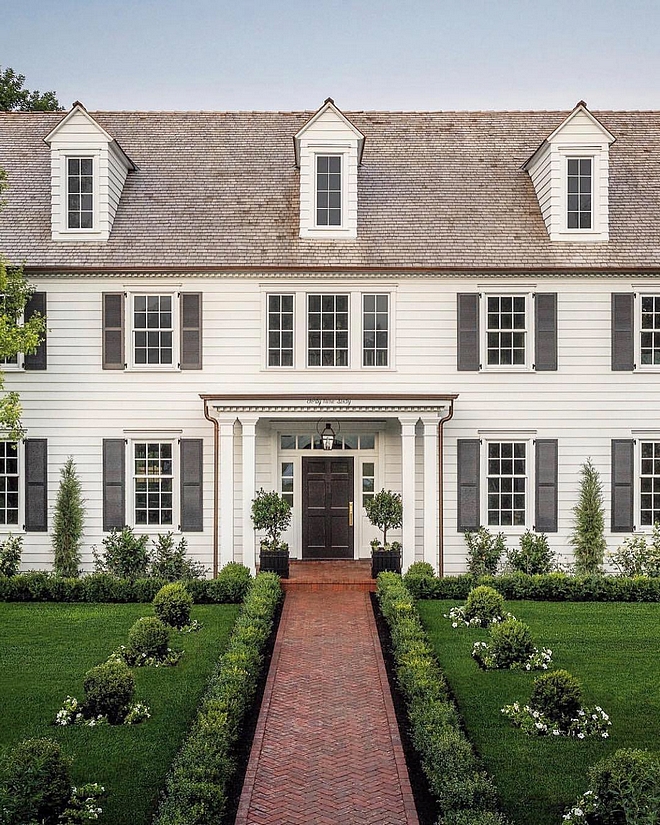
{"x":286,"y":481}
{"x":80,"y":193}
{"x":280,"y":330}
{"x":579,"y":178}
{"x":649,"y":483}
{"x":153,"y":330}
{"x":506,"y":482}
{"x":506,"y":330}
{"x":350,"y":441}
{"x":649,"y":334}
{"x":153,"y":483}
{"x":368,"y":481}
{"x":328,"y":330}
{"x":9,"y":483}
{"x":375,"y":329}
{"x":328,"y":190}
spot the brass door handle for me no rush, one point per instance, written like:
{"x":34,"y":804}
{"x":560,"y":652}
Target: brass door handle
{"x":350,"y":513}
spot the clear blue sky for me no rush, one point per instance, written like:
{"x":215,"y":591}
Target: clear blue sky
{"x":291,"y":54}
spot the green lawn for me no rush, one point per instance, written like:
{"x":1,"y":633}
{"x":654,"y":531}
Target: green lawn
{"x":45,"y":650}
{"x":613,"y":649}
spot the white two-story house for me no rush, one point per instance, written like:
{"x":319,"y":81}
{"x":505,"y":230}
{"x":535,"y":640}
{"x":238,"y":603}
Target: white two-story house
{"x":463,"y":306}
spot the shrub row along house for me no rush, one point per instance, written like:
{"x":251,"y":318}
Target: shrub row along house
{"x":464,"y":306}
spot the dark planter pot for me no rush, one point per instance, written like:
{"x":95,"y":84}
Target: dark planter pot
{"x":385,"y":561}
{"x":274,"y":561}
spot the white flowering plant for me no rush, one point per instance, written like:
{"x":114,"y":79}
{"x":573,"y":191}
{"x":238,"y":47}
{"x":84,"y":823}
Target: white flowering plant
{"x":459,"y":618}
{"x":192,"y":627}
{"x":488,"y":659}
{"x":587,"y":722}
{"x":141,"y":659}
{"x":73,"y":713}
{"x":83,"y":805}
{"x":587,"y":804}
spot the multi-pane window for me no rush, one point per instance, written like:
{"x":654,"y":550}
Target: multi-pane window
{"x":375,"y":330}
{"x":368,"y":481}
{"x":287,"y":482}
{"x":80,"y":193}
{"x":8,"y":482}
{"x":328,"y":190}
{"x":153,"y":479}
{"x":650,"y":483}
{"x":650,"y":331}
{"x":327,"y":330}
{"x":348,"y":441}
{"x":507,"y":483}
{"x":579,"y":179}
{"x":506,"y":330}
{"x":152,"y":329}
{"x":280,"y":330}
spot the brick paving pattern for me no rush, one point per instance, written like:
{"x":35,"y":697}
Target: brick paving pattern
{"x":326,"y":749}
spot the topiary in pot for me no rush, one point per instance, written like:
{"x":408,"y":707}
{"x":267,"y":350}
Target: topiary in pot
{"x":109,"y":688}
{"x":484,"y":604}
{"x":148,"y":637}
{"x":511,"y":643}
{"x":557,"y":695}
{"x":36,"y":783}
{"x":385,"y":511}
{"x":172,"y":605}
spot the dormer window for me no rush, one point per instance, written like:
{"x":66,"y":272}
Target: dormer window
{"x":328,"y":190}
{"x":80,"y":193}
{"x":579,"y":180}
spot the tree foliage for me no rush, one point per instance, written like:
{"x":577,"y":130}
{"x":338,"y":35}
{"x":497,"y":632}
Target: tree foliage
{"x":14,"y":98}
{"x":588,"y":537}
{"x":385,"y":511}
{"x":68,"y":521}
{"x":271,"y":512}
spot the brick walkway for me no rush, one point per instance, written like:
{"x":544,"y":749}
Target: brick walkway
{"x":326,"y":749}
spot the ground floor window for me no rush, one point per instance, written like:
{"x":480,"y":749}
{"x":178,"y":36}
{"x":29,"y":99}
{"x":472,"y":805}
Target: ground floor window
{"x":286,"y":481}
{"x":506,"y":483}
{"x":8,"y":482}
{"x":153,"y":483}
{"x":650,"y":483}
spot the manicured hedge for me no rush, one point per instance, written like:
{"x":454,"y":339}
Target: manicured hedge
{"x":228,"y":588}
{"x":550,"y":587}
{"x":198,"y":782}
{"x":463,"y":791}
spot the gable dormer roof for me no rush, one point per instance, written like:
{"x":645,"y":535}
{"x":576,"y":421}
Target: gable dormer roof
{"x":328,"y":106}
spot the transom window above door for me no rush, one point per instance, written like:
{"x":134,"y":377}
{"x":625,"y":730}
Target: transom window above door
{"x":342,"y":441}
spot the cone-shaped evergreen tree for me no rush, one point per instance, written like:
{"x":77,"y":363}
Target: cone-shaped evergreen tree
{"x":588,"y":537}
{"x":68,"y":522}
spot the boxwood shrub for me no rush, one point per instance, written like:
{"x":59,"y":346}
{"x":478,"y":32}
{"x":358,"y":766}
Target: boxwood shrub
{"x":198,"y":782}
{"x":464,"y":793}
{"x":229,"y":587}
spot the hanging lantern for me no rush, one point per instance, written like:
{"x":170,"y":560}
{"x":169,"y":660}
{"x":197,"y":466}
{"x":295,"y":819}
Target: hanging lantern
{"x":328,"y":437}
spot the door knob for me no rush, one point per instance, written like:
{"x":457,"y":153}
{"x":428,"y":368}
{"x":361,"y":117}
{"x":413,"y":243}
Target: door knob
{"x":350,"y":513}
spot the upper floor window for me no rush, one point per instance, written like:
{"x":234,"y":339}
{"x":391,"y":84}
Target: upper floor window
{"x":580,"y":187}
{"x":375,"y":330}
{"x":327,"y":330}
{"x":506,"y":330}
{"x":649,"y":337}
{"x":80,"y":193}
{"x":328,"y":190}
{"x":280,"y":330}
{"x":153,"y":330}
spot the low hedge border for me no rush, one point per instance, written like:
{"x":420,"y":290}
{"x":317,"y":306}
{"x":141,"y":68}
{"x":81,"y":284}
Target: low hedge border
{"x":229,"y":587}
{"x":550,"y":587}
{"x":197,"y":786}
{"x":464,"y":793}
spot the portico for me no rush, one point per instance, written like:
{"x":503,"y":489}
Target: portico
{"x":274,"y":442}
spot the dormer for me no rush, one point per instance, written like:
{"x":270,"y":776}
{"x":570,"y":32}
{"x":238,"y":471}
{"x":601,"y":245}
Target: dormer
{"x":88,"y":171}
{"x":328,"y":152}
{"x":570,"y":173}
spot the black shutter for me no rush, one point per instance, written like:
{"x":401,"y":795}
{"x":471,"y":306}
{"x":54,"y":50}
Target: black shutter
{"x":192,"y":468}
{"x":545,"y":331}
{"x":468,"y":331}
{"x":36,"y":485}
{"x":191,"y":331}
{"x":623,"y":473}
{"x":468,"y":484}
{"x":623,"y":341}
{"x":546,"y":485}
{"x":114,"y":483}
{"x":113,"y":331}
{"x":37,"y":304}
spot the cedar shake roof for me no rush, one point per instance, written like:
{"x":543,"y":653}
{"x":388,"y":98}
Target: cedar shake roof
{"x":436,"y":189}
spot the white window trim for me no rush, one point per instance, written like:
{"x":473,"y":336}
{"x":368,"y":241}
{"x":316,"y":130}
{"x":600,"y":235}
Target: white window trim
{"x":131,"y":366}
{"x":62,"y":231}
{"x":377,"y":367}
{"x":342,"y":155}
{"x":594,"y":222}
{"x":153,"y":529}
{"x":355,"y":327}
{"x":508,"y":529}
{"x":639,"y":437}
{"x":646,"y":292}
{"x":530,"y":355}
{"x":567,"y":153}
{"x":18,"y":529}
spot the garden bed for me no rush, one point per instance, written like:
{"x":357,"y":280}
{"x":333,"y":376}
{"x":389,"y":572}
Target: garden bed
{"x":47,"y":648}
{"x":610,"y":648}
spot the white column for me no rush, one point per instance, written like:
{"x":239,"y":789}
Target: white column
{"x":226,"y":470}
{"x":249,"y":425}
{"x":431,"y":491}
{"x":408,"y":488}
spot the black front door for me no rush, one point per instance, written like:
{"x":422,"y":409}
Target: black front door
{"x":327,"y":508}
